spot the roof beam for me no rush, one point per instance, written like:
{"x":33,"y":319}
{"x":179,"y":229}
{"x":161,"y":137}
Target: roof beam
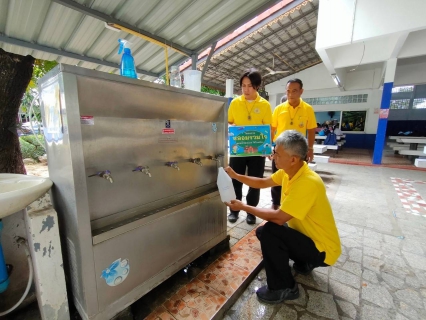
{"x":283,"y":26}
{"x":109,"y":19}
{"x":239,"y":23}
{"x":34,"y":46}
{"x":243,"y":52}
{"x":212,"y":48}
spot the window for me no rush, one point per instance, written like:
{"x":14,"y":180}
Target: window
{"x":399,"y":104}
{"x":353,"y":120}
{"x":356,"y":98}
{"x":419,"y":103}
{"x":403,"y":89}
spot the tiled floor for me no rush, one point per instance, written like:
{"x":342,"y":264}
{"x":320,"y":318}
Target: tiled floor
{"x":207,"y":293}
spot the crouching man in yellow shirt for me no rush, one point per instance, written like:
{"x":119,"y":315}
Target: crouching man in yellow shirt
{"x":310,"y":238}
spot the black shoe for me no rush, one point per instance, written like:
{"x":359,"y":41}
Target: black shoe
{"x":303,"y":268}
{"x":277,"y":296}
{"x":233,"y":216}
{"x":250,"y":219}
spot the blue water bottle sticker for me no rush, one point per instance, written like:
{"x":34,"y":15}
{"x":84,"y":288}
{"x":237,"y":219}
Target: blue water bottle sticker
{"x":117,"y":272}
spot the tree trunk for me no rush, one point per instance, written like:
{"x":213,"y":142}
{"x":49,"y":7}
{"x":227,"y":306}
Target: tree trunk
{"x":15,"y":74}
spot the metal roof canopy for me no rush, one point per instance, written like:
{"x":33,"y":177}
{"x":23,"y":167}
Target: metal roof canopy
{"x":73,"y":32}
{"x":288,"y":37}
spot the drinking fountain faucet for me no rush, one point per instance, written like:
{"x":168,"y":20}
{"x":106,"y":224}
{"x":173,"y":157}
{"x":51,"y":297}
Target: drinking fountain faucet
{"x":215,"y":158}
{"x":143,"y":169}
{"x":106,"y":174}
{"x":196,"y":161}
{"x":173,"y":164}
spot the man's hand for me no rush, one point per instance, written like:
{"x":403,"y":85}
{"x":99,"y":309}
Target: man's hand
{"x":235,"y":205}
{"x":230,"y":172}
{"x":310,"y":155}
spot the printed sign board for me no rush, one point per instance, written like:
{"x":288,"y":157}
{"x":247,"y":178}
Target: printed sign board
{"x":246,"y":141}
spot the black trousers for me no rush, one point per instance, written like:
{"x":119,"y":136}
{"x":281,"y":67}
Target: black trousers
{"x":275,"y":191}
{"x":281,"y":243}
{"x":255,"y":168}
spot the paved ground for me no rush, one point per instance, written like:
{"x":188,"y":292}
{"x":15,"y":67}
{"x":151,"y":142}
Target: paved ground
{"x":381,"y":217}
{"x":381,"y":273}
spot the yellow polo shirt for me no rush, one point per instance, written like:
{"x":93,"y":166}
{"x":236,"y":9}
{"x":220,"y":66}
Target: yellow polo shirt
{"x":304,"y":198}
{"x":258,"y":110}
{"x":303,"y":118}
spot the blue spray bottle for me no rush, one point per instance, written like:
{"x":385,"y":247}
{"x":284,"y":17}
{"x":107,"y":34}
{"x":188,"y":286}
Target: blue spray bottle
{"x":127,"y":66}
{"x":4,"y":277}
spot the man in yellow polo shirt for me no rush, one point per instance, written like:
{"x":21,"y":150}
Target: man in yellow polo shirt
{"x":310,"y":239}
{"x":293,"y":114}
{"x":248,"y":109}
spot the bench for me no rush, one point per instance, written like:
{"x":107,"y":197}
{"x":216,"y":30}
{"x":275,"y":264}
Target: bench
{"x":320,"y":148}
{"x":412,"y":152}
{"x":321,"y":159}
{"x":335,"y":147}
{"x":420,"y":163}
{"x":312,"y":166}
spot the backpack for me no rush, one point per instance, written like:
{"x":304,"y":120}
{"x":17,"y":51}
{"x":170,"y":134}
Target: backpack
{"x":331,"y":139}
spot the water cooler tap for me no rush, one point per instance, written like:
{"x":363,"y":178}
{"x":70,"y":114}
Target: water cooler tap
{"x":196,"y":161}
{"x":173,"y":164}
{"x":143,"y":169}
{"x":216,"y":158}
{"x":103,"y":174}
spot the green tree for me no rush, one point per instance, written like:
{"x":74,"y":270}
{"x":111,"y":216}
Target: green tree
{"x":41,"y":67}
{"x":212,"y":91}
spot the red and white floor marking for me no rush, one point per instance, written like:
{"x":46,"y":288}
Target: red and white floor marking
{"x":411,"y":200}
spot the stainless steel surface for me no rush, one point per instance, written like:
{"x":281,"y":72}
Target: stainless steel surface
{"x":114,"y":146}
{"x":158,"y":244}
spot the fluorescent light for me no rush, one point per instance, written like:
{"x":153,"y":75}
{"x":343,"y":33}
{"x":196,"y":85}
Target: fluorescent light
{"x":336,"y":80}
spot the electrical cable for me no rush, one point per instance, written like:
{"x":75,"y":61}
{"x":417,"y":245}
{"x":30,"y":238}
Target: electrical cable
{"x":362,"y":57}
{"x":30,"y":278}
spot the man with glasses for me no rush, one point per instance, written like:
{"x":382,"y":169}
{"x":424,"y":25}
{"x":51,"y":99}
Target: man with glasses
{"x":310,"y":239}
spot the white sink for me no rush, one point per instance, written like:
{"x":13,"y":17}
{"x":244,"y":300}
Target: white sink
{"x":17,"y":191}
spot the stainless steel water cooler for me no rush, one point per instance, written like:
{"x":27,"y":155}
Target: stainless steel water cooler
{"x":134,"y":166}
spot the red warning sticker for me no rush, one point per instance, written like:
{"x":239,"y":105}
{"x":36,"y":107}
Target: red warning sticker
{"x":168,"y":131}
{"x":89,"y":120}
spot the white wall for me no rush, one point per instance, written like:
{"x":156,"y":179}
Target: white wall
{"x":410,"y":74}
{"x":318,"y":83}
{"x":314,"y":78}
{"x":376,"y":50}
{"x":375,"y":18}
{"x":341,"y":22}
{"x":415,"y":45}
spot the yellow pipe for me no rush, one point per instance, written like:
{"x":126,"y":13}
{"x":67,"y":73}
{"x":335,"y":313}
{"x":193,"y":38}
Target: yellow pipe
{"x":167,"y":66}
{"x":137,"y":34}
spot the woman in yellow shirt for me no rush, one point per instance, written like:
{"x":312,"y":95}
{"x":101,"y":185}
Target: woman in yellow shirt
{"x":248,"y":109}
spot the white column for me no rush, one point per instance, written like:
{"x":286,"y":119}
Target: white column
{"x":46,"y":253}
{"x":229,"y":88}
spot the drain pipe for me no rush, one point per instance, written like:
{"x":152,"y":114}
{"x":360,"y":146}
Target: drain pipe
{"x":4,"y":276}
{"x":23,"y":242}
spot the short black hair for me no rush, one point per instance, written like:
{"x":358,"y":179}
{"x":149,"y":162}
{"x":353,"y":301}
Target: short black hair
{"x":295,"y":80}
{"x":254,"y":76}
{"x":283,"y":99}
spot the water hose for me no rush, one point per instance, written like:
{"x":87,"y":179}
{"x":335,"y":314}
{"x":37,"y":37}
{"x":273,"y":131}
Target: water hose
{"x":23,"y":242}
